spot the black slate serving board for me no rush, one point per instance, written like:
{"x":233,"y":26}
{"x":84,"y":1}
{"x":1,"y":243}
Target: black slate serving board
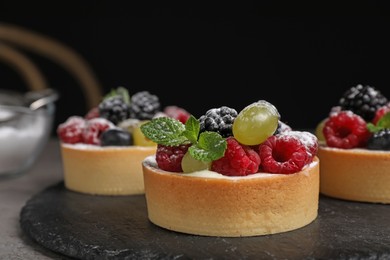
{"x":103,"y":227}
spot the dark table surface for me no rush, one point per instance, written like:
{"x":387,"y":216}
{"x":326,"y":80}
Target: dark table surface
{"x":63,"y":222}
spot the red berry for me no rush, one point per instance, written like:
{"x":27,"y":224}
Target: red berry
{"x":380,"y":113}
{"x":238,"y":160}
{"x":345,"y":130}
{"x":71,"y":130}
{"x":309,"y":140}
{"x":177,"y":113}
{"x":282,"y":154}
{"x":92,"y":113}
{"x":94,"y":128}
{"x":169,"y":157}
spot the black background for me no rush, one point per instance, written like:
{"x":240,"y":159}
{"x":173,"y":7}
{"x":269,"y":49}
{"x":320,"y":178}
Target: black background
{"x":201,"y":57}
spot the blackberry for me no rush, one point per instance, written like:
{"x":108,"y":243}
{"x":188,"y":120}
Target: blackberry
{"x":380,"y":140}
{"x":144,"y":106}
{"x":363,"y":101}
{"x":218,"y":120}
{"x":114,"y":109}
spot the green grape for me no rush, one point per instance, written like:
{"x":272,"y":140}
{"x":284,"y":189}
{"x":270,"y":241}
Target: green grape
{"x":129,"y":124}
{"x":255,"y":123}
{"x":139,"y":138}
{"x":190,"y":164}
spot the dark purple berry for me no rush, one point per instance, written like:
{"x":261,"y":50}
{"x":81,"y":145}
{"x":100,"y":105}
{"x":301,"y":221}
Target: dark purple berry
{"x":380,"y":140}
{"x":144,"y":106}
{"x":116,"y":137}
{"x":218,"y":120}
{"x":363,"y":101}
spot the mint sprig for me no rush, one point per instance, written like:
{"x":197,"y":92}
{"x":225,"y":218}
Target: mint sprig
{"x":206,"y":146}
{"x":383,"y":123}
{"x":119,"y":91}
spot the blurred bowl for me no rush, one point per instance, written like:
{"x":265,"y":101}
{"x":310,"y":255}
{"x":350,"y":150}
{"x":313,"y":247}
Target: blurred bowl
{"x":26,"y":121}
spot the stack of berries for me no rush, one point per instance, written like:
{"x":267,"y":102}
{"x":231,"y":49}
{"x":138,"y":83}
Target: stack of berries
{"x":117,"y":119}
{"x":361,"y":119}
{"x":231,"y":143}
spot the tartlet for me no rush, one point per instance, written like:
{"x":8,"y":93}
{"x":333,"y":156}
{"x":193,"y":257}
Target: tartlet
{"x":240,"y":190}
{"x":104,"y":170}
{"x":212,"y":205}
{"x":354,"y":147}
{"x":102,"y":152}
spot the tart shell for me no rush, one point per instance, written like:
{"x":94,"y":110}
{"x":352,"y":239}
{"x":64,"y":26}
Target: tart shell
{"x":104,"y":170}
{"x":355,"y":174}
{"x":231,"y":206}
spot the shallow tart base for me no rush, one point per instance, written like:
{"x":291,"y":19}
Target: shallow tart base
{"x":224,"y":206}
{"x":104,"y":170}
{"x":355,"y":174}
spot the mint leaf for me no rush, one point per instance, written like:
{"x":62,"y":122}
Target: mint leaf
{"x":192,"y":129}
{"x":165,"y":131}
{"x":383,"y":123}
{"x":211,"y":146}
{"x":373,"y":128}
{"x":119,"y":91}
{"x":122,"y":91}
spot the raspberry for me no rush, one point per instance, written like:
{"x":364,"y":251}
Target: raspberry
{"x":284,"y":154}
{"x":238,"y":160}
{"x":71,"y":130}
{"x":308,"y":139}
{"x":169,"y":157}
{"x":177,"y":113}
{"x":345,"y":130}
{"x":380,"y":113}
{"x":94,"y":128}
{"x":92,"y":113}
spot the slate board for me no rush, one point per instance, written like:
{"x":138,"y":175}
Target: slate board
{"x":102,"y":227}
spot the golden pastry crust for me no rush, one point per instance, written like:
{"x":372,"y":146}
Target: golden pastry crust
{"x":104,"y":170}
{"x":355,"y":174}
{"x":232,"y":207}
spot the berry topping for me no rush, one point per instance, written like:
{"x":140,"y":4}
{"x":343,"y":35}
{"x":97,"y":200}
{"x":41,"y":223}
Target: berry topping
{"x":169,"y":158}
{"x":206,"y":146}
{"x":177,"y":113}
{"x":71,"y":130}
{"x":282,"y":154}
{"x":308,"y":139}
{"x":380,"y":140}
{"x":255,"y":123}
{"x":363,"y":101}
{"x":345,"y":130}
{"x":144,"y":105}
{"x":218,"y":120}
{"x":239,"y":160}
{"x":116,"y":137}
{"x":94,"y":128}
{"x":114,"y":109}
